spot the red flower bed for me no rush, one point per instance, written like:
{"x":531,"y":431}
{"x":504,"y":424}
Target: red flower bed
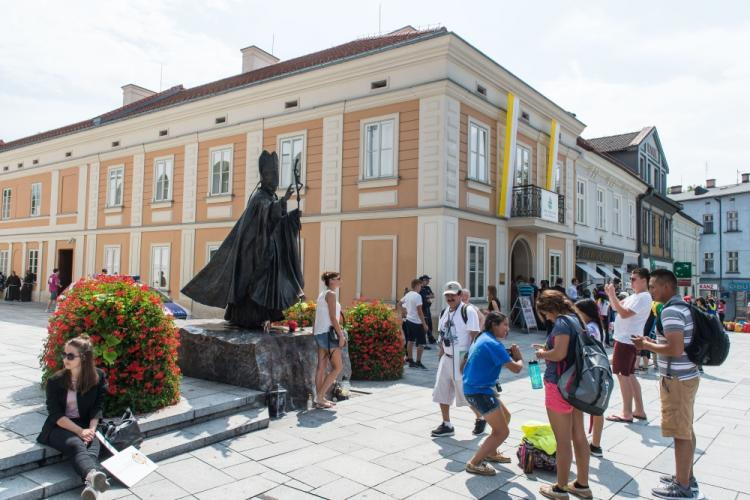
{"x":134,"y":341}
{"x":375,"y":348}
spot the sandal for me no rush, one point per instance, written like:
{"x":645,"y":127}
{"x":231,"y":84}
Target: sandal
{"x":640,"y":417}
{"x":618,"y":418}
{"x":325,"y":405}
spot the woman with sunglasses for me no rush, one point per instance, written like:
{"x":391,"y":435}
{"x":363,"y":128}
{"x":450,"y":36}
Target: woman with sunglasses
{"x":328,"y":317}
{"x":75,"y":395}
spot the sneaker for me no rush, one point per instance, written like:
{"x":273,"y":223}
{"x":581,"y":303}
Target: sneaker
{"x":412,"y":364}
{"x":669,"y":478}
{"x":499,"y":458}
{"x":672,"y":491}
{"x":574,"y":489}
{"x":443,"y":430}
{"x":419,"y":364}
{"x":479,"y":426}
{"x":99,"y":481}
{"x":482,"y":469}
{"x":554,"y":491}
{"x":427,"y":348}
{"x":596,"y":451}
{"x":88,"y":493}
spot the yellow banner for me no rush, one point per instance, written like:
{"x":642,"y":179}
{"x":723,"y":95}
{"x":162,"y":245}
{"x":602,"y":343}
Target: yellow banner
{"x":554,"y":134}
{"x":509,"y":157}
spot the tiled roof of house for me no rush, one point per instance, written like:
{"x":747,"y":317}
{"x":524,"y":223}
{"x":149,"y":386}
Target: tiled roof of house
{"x":179,"y":94}
{"x":587,"y":145}
{"x":620,"y":142}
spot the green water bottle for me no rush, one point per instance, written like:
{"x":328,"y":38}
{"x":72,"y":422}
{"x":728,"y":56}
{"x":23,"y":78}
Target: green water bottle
{"x":535,"y":375}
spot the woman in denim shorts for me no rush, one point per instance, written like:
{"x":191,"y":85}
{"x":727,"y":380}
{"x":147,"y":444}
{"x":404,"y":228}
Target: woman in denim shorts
{"x":486,"y":357}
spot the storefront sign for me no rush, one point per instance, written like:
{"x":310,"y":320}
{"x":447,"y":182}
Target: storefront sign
{"x":708,"y":286}
{"x":739,"y":286}
{"x":683,"y":269}
{"x":599,"y":255}
{"x":550,"y":206}
{"x":684,"y":282}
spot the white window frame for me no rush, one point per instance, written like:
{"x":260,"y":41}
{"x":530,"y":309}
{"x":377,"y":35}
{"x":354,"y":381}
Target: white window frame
{"x":733,"y":223}
{"x":708,"y":218}
{"x":4,"y":261}
{"x":211,"y":246}
{"x":364,"y":124}
{"x":290,"y":138}
{"x":581,"y":201}
{"x":36,"y":200}
{"x":601,"y":208}
{"x":160,"y":248}
{"x":733,"y":261}
{"x":557,"y":177}
{"x":520,"y":149}
{"x":555,"y":255}
{"x":111,"y":259}
{"x":631,"y":219}
{"x":7,"y":202}
{"x":479,"y":172}
{"x":481,"y":287}
{"x":617,"y":214}
{"x":110,"y":202}
{"x":709,"y":257}
{"x":32,"y":261}
{"x":168,"y":164}
{"x":227,"y":148}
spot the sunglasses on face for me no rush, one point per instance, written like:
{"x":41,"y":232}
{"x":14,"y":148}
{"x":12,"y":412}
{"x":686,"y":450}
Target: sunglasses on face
{"x":70,"y":356}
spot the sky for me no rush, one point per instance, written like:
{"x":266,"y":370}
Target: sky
{"x":681,"y":66}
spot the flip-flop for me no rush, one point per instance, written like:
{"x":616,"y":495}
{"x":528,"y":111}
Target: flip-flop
{"x":618,"y":418}
{"x":639,"y":417}
{"x":323,"y":406}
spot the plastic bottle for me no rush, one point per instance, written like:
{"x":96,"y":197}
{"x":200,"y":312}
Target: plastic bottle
{"x":535,"y":375}
{"x":309,"y":402}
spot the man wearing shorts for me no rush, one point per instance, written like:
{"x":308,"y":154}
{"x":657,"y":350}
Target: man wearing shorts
{"x":678,"y":384}
{"x":632,"y":314}
{"x":456,"y":335}
{"x":415,"y":326}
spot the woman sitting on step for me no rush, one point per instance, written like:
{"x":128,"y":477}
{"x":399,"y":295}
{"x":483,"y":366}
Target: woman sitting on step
{"x":75,"y":395}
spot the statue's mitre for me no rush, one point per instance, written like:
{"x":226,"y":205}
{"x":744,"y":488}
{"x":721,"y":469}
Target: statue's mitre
{"x":268,"y":161}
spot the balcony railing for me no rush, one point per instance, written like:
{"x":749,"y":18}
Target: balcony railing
{"x":533,"y":201}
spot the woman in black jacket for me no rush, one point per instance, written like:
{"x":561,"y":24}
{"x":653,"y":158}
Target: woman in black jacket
{"x":75,"y":396}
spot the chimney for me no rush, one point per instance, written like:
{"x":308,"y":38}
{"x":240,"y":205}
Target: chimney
{"x":133,"y":93}
{"x":675,"y":189}
{"x":745,"y":176}
{"x":710,"y":183}
{"x":255,"y":58}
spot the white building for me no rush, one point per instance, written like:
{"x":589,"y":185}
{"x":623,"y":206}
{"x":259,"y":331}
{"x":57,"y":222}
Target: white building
{"x":686,"y":235}
{"x":606,"y":196}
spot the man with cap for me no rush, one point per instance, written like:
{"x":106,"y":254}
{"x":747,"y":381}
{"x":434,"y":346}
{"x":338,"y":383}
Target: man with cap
{"x":427,"y":296}
{"x":458,"y":326}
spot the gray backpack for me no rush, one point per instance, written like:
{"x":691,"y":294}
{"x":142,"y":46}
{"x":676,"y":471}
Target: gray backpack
{"x":587,"y":382}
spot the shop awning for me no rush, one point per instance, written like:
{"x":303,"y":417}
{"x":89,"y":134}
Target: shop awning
{"x":588,"y":269}
{"x":608,"y":271}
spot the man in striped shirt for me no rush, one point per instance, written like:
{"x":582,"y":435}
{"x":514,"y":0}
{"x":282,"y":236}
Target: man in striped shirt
{"x":678,"y":383}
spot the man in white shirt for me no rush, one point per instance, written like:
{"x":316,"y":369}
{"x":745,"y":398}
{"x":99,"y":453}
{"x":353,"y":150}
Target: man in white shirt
{"x":458,"y":326}
{"x":572,"y":291}
{"x":415,"y":326}
{"x":632,"y":314}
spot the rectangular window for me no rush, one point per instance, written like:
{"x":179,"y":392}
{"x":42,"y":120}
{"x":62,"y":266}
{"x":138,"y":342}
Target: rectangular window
{"x":477,"y":271}
{"x":33,"y":265}
{"x":478,"y":153}
{"x":617,"y":222}
{"x":379,"y":149}
{"x":115,"y":186}
{"x":732,"y":221}
{"x":733,"y":262}
{"x":708,"y":223}
{"x":160,"y":267}
{"x":221,"y":168}
{"x":708,"y":262}
{"x":163,"y":170}
{"x":112,"y":259}
{"x":36,"y":199}
{"x":4,"y":262}
{"x":601,"y":214}
{"x":523,"y":166}
{"x":631,"y":219}
{"x":290,"y":147}
{"x":580,"y":201}
{"x":645,"y":226}
{"x":6,"y":203}
{"x":557,"y":178}
{"x":554,"y":267}
{"x":211,"y":251}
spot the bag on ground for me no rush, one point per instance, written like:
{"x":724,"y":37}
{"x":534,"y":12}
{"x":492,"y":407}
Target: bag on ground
{"x":530,"y":458}
{"x":587,"y":383}
{"x":123,"y":434}
{"x":540,"y":435}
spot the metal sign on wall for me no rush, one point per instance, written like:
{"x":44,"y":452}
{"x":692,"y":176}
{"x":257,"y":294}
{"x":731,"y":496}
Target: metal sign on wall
{"x":683,"y":269}
{"x":599,"y":255}
{"x":708,"y":286}
{"x":550,"y":206}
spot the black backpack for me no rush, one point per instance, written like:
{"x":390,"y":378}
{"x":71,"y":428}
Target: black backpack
{"x":709,"y":345}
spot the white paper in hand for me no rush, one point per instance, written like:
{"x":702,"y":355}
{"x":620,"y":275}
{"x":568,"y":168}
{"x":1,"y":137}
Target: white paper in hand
{"x":129,"y":466}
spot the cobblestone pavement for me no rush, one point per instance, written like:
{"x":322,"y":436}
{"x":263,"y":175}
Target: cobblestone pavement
{"x":378,"y":445}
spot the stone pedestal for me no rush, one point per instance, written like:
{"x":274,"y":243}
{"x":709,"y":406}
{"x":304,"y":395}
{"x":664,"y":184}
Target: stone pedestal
{"x":233,"y":355}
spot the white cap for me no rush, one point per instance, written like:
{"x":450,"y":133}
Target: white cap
{"x":452,"y":288}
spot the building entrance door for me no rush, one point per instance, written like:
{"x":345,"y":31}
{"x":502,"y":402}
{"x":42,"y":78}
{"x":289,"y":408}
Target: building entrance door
{"x":65,"y":267}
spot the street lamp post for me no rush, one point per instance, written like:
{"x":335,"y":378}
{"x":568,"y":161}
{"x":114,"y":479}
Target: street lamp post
{"x":721,"y":254}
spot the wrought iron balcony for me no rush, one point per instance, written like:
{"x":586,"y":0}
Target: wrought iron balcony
{"x":533,"y":201}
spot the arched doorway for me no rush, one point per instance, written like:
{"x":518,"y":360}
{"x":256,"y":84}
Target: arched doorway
{"x":521,"y":264}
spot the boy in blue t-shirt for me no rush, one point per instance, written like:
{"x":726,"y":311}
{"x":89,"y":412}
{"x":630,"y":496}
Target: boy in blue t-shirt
{"x":486,"y":357}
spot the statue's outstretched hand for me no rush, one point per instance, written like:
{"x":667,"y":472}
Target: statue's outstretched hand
{"x":289,"y":192}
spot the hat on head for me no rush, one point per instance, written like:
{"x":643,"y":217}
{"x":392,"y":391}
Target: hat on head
{"x":424,"y":277}
{"x":452,"y":288}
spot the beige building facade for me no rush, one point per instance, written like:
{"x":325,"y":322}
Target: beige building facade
{"x":403,"y":151}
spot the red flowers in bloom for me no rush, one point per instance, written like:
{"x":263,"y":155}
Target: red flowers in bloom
{"x":375,"y":348}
